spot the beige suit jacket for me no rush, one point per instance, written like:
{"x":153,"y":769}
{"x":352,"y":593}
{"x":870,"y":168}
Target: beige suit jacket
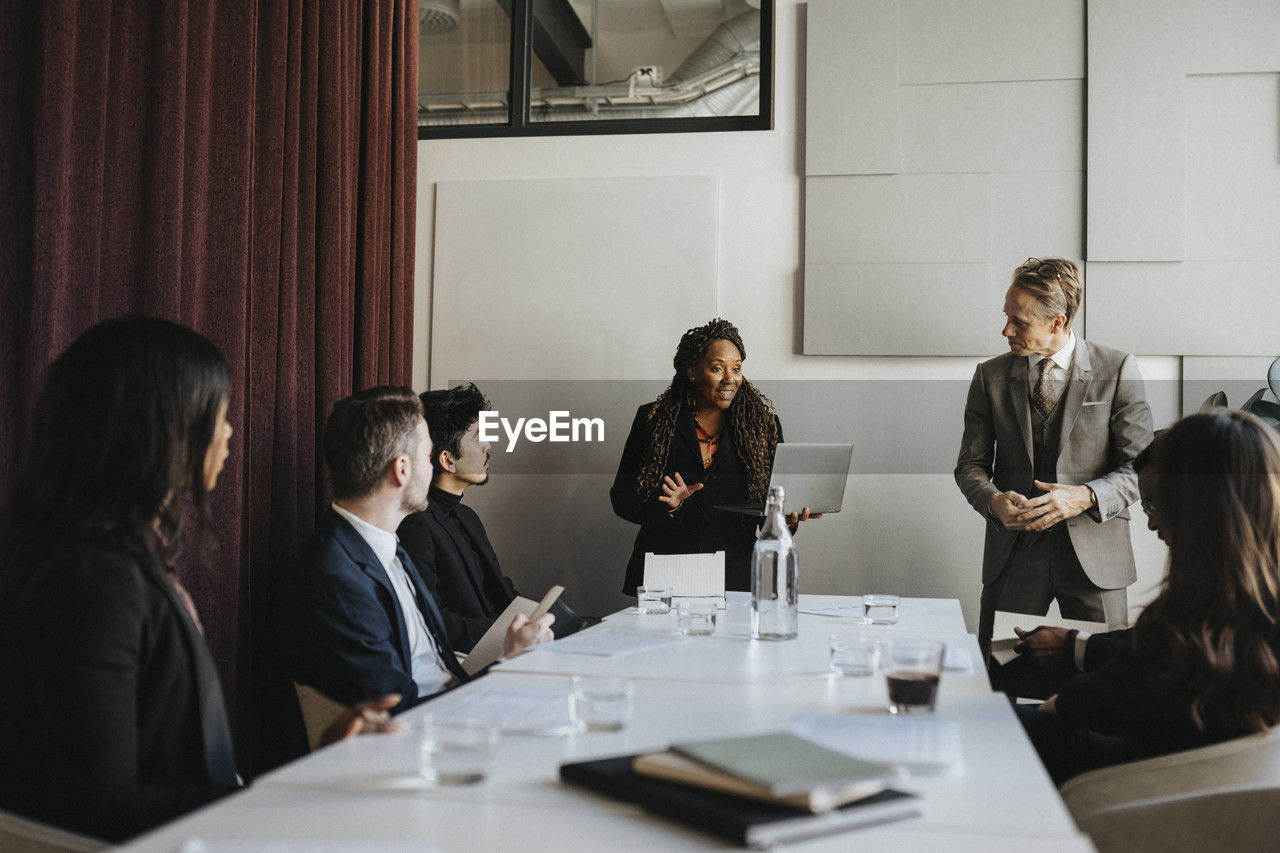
{"x":1106,"y":422}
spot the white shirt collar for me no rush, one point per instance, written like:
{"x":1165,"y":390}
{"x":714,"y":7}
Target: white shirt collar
{"x":382,"y":542}
{"x":1062,"y":358}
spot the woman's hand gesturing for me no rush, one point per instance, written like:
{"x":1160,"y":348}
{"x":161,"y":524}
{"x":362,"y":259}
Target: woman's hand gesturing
{"x":675,"y":491}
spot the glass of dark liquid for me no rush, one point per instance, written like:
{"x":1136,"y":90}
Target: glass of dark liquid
{"x":912,"y":669}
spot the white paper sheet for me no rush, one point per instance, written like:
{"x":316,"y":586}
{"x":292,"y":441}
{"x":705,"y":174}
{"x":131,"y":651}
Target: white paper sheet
{"x":921,"y":744}
{"x":514,"y":710}
{"x":490,"y":646}
{"x":1003,"y":639}
{"x":838,"y":611}
{"x":686,"y":574}
{"x":957,"y":659}
{"x":199,"y":845}
{"x":1005,"y":622}
{"x":609,"y":642}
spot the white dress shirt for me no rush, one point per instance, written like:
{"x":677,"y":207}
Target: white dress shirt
{"x":1058,"y":373}
{"x":428,"y":670}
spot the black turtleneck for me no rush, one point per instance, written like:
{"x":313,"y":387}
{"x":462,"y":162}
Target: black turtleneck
{"x":447,"y":501}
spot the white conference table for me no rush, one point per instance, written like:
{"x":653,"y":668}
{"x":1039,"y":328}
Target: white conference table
{"x":358,"y":794}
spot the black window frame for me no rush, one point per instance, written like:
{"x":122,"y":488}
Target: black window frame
{"x":519,"y":123}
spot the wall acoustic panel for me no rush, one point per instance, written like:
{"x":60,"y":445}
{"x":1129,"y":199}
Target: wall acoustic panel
{"x":897,"y":219}
{"x":975,"y":41}
{"x":944,"y":309}
{"x":1192,"y":308}
{"x":1135,"y":149}
{"x":851,"y":89}
{"x":546,"y":253}
{"x":988,"y":137}
{"x":1034,"y":214}
{"x":1033,"y":126}
{"x":1233,"y":167}
{"x":1234,"y":36}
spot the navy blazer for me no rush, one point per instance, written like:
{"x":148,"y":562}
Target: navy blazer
{"x":466,"y":579}
{"x":697,"y":527}
{"x":345,"y":633}
{"x":111,"y":715}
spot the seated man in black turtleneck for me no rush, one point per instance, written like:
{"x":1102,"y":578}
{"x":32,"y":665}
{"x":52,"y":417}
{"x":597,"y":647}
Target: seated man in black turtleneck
{"x":446,"y":541}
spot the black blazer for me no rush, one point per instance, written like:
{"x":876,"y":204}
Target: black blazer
{"x":467,"y":580}
{"x":696,"y":527}
{"x":111,"y":716}
{"x":345,"y":634}
{"x":1123,"y":698}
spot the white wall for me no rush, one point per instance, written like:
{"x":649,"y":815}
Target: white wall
{"x":901,"y":532}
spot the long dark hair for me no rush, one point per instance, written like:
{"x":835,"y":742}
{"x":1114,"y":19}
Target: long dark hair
{"x":116,"y":445}
{"x":1214,"y":630}
{"x":751,"y":419}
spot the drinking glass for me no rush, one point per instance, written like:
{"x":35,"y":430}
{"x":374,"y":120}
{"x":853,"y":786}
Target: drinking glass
{"x":854,"y":654}
{"x":601,"y":703}
{"x":880,"y":609}
{"x":912,"y":670}
{"x":455,"y":752}
{"x":696,"y":618}
{"x":653,"y":599}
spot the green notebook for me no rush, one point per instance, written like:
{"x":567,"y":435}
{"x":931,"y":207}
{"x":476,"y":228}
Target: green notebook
{"x":783,"y":763}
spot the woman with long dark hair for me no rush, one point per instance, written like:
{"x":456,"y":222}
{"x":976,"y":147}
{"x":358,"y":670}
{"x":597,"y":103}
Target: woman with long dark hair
{"x":1203,"y":664}
{"x":707,"y":441}
{"x":111,"y":715}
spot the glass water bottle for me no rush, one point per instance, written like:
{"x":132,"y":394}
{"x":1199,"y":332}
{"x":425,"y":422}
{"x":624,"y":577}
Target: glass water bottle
{"x":774,"y":592}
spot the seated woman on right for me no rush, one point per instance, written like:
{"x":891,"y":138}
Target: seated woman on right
{"x":1204,"y":662}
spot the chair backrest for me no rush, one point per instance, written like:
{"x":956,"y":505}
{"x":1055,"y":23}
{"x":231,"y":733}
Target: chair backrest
{"x":318,"y":712}
{"x":20,"y":835}
{"x":1190,"y":823}
{"x":1248,"y":762}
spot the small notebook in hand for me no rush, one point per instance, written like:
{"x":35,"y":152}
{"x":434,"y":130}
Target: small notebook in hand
{"x":491,"y":645}
{"x":785,"y":765}
{"x":736,"y":819}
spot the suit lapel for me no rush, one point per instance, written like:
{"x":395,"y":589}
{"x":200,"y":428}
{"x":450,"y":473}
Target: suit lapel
{"x":1020,"y":401}
{"x":686,"y":434}
{"x":219,"y":756}
{"x":1077,"y":385}
{"x":362,"y":555}
{"x":460,"y":547}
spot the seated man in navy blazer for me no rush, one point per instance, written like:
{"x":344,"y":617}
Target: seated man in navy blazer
{"x":362,"y":622}
{"x":446,"y":541}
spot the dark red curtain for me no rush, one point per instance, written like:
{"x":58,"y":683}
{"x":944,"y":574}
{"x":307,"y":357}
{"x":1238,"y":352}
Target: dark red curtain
{"x":247,"y":168}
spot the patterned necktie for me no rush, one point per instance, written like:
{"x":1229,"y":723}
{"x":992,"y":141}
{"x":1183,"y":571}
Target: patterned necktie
{"x":1043,"y":396}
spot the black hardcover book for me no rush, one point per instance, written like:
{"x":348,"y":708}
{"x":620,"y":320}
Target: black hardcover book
{"x":737,"y":819}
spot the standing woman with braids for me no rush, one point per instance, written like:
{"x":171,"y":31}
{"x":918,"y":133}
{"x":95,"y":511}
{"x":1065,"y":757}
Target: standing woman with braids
{"x":1203,"y":664}
{"x":707,"y":441}
{"x":111,"y":715}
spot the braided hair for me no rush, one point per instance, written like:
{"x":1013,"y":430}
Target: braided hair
{"x":751,"y":417}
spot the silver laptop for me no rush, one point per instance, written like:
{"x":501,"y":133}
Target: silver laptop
{"x":811,"y":475}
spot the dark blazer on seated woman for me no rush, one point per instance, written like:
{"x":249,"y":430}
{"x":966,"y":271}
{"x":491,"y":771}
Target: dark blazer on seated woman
{"x":697,"y":526}
{"x":111,"y":716}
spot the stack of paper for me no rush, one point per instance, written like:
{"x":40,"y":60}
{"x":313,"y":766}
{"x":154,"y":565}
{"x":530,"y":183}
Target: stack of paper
{"x":605,"y":641}
{"x":514,"y":710}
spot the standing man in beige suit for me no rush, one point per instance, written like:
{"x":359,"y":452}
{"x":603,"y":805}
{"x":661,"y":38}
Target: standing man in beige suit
{"x":1051,"y":429}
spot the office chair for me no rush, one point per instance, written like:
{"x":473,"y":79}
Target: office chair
{"x":20,"y":835}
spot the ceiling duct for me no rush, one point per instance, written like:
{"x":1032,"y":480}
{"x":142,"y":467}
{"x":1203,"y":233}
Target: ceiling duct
{"x":438,"y":16}
{"x":720,"y":77}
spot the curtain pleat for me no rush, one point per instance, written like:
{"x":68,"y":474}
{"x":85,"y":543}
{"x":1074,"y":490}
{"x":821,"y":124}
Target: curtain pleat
{"x":244,"y":167}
